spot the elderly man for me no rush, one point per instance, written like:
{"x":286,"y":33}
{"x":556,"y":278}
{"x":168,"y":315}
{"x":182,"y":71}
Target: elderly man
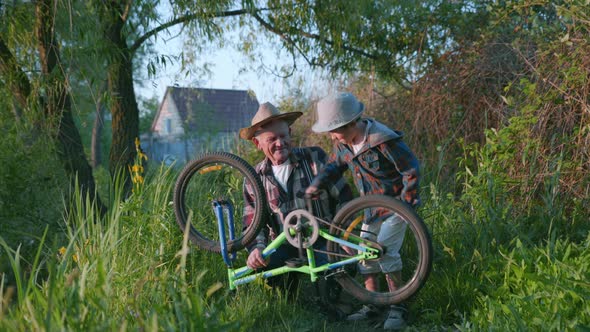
{"x":285,"y":172}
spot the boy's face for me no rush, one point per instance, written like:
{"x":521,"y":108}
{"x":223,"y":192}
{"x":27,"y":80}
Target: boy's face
{"x":345,"y":134}
{"x":275,"y":141}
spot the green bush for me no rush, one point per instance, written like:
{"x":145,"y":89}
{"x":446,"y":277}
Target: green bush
{"x":30,"y":191}
{"x":540,"y":288}
{"x":133,"y":269}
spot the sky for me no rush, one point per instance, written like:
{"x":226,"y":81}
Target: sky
{"x":230,"y":69}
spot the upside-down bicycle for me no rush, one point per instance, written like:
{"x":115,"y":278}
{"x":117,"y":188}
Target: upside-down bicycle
{"x":208,"y":198}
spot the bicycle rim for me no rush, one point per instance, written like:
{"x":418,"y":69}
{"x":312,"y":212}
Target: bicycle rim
{"x":220,"y":177}
{"x":415,"y":251}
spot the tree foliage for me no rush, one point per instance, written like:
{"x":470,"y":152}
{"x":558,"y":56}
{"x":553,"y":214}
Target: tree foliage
{"x":443,"y":70}
{"x":395,"y":40}
{"x":52,"y":109}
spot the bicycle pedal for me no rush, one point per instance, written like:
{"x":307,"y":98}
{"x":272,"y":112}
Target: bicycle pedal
{"x":295,"y":262}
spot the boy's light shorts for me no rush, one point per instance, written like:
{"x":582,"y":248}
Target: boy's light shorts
{"x":390,"y":234}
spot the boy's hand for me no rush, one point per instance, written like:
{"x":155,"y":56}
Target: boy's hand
{"x":311,"y":190}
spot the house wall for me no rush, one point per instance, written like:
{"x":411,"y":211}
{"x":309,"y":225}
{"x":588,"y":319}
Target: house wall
{"x":214,"y":126}
{"x":168,"y":113}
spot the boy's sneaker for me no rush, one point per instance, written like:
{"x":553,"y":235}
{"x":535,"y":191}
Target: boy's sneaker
{"x":395,"y":319}
{"x":365,"y":312}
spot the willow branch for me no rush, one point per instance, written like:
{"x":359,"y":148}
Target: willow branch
{"x":180,"y":20}
{"x":309,"y":35}
{"x":15,"y":76}
{"x":283,"y":36}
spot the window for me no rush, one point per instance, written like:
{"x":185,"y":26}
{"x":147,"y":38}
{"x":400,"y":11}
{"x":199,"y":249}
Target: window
{"x":168,"y":124}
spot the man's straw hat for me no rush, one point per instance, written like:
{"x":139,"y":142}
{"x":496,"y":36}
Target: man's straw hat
{"x":266,"y":113}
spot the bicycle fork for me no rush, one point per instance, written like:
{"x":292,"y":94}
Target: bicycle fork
{"x":219,"y":206}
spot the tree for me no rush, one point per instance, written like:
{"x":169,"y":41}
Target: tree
{"x":55,"y":103}
{"x":394,"y":40}
{"x":148,"y":110}
{"x":122,"y":22}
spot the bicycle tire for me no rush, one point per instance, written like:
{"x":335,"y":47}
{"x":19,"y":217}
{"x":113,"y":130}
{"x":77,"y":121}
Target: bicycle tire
{"x":421,"y":264}
{"x":200,"y":182}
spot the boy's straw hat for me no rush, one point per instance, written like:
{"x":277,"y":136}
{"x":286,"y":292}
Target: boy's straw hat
{"x":337,"y":110}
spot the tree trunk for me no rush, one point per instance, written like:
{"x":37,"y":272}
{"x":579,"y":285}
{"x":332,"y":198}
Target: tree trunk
{"x":95,"y":144}
{"x":57,"y":105}
{"x":124,"y":110}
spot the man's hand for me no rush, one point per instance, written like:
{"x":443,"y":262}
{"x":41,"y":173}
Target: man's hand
{"x":311,"y":190}
{"x":255,"y":260}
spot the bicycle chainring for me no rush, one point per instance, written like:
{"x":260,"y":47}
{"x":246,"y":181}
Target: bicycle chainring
{"x":301,"y":228}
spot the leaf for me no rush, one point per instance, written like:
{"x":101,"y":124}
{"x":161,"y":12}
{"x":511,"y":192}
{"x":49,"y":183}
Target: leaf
{"x":519,"y":322}
{"x":217,"y":286}
{"x":505,"y":100}
{"x":449,"y":250}
{"x":565,"y":38}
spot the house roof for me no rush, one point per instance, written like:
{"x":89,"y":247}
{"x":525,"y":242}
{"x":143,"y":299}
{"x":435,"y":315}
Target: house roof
{"x":208,"y":109}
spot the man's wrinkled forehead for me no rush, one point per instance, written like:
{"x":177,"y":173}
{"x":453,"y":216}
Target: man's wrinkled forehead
{"x":273,"y":127}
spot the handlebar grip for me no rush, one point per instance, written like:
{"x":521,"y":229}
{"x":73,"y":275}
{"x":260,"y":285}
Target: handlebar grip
{"x":309,"y":197}
{"x":315,"y":195}
{"x":266,"y":254}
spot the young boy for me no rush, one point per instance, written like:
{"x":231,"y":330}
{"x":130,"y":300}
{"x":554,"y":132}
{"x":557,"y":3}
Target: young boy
{"x":381,"y":163}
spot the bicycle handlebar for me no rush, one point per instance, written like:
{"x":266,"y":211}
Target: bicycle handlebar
{"x":309,"y":197}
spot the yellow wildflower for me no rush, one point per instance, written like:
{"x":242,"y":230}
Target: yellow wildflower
{"x":142,"y":155}
{"x":136,"y":169}
{"x":137,"y":179}
{"x":62,"y":251}
{"x":75,"y":258}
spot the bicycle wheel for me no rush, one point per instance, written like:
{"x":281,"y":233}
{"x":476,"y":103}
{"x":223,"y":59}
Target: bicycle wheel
{"x":411,"y":237}
{"x":217,"y":176}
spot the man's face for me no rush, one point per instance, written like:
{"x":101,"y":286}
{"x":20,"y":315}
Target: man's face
{"x":274,"y":139}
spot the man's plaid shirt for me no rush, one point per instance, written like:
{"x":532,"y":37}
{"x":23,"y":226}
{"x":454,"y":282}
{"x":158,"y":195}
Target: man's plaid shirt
{"x":306,"y":162}
{"x":384,"y":165}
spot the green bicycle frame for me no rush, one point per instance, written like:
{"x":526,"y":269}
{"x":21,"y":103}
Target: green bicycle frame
{"x":244,"y":274}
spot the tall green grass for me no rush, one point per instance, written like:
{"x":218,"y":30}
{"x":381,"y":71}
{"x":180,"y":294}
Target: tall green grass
{"x":134,"y":269}
{"x":493,"y":274}
{"x":497,"y":266}
{"x":501,"y":264}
